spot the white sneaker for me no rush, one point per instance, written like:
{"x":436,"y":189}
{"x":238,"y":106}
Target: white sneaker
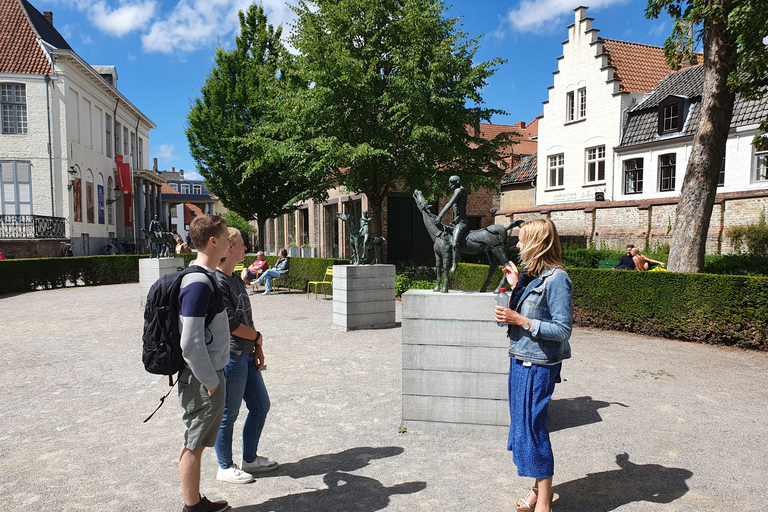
{"x":234,"y":475}
{"x":266,"y":292}
{"x":260,"y":465}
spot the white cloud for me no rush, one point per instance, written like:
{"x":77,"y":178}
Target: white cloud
{"x":125,"y":18}
{"x":541,"y":16}
{"x":196,"y":23}
{"x":165,"y":151}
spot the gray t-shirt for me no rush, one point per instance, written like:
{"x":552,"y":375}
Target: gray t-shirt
{"x":238,"y":306}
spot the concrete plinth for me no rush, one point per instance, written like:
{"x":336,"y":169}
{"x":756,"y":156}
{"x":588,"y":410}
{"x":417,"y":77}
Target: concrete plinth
{"x":455,"y":362}
{"x":151,"y":269}
{"x":363,"y":297}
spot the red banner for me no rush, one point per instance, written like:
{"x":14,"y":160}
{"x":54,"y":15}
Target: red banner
{"x":128,"y":209}
{"x":123,"y":174}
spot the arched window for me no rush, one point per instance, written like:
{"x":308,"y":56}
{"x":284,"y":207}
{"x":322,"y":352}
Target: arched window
{"x":89,"y":210}
{"x":110,"y":203}
{"x":77,"y":193}
{"x":100,"y":196}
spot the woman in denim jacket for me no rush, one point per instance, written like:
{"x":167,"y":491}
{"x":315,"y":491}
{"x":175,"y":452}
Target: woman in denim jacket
{"x":539,"y":328}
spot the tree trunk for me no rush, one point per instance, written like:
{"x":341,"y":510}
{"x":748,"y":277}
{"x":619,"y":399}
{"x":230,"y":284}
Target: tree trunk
{"x":697,"y":197}
{"x":261,"y":224}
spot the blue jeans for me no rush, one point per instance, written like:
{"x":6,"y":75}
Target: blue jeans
{"x":268,"y":275}
{"x":244,"y":382}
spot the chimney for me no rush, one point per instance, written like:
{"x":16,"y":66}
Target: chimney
{"x":182,"y":172}
{"x":154,"y":164}
{"x":48,"y":15}
{"x":173,"y":169}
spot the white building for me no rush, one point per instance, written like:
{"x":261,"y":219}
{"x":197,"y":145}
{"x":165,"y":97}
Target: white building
{"x":614,"y":141}
{"x":597,"y":81}
{"x":52,"y":98}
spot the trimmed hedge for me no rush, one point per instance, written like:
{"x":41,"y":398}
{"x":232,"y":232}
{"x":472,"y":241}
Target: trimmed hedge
{"x":30,"y":274}
{"x":722,"y":310}
{"x":705,"y":308}
{"x":302,"y":270}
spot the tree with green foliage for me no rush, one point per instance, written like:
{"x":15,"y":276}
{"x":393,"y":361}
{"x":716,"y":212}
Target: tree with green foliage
{"x":234,"y":125}
{"x":394,"y":99}
{"x":732,"y":33}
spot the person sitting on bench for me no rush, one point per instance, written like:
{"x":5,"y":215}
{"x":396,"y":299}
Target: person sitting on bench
{"x":280,"y":270}
{"x":626,"y":262}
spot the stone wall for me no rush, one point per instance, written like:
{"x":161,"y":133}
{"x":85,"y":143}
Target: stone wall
{"x":644,"y":223}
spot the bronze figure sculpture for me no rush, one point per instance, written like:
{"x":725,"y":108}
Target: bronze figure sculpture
{"x":492,"y":241}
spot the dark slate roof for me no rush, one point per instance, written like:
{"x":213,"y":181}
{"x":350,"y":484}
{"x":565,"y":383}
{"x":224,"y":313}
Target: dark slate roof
{"x":45,"y":30}
{"x":523,"y":172}
{"x":642,"y":121}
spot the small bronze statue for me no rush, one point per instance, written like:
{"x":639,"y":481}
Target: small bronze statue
{"x":360,"y":243}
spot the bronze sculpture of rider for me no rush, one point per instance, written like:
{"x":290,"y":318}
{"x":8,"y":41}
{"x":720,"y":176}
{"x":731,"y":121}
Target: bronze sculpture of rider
{"x":459,"y":223}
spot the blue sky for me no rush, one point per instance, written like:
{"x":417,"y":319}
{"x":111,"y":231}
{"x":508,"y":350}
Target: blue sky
{"x":163,"y":49}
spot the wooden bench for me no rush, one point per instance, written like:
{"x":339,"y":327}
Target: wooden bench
{"x":327,"y":279}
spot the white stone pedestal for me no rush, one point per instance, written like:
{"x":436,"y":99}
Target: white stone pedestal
{"x":455,"y":362}
{"x":363,"y":296}
{"x":150,"y":270}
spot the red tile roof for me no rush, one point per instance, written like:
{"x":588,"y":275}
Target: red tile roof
{"x":190,"y":212}
{"x":640,"y":66}
{"x":21,"y":52}
{"x":167,"y":189}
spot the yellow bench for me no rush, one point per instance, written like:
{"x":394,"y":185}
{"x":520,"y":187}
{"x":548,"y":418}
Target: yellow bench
{"x":327,"y":279}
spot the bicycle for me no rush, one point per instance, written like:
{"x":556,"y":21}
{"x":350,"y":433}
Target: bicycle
{"x":111,"y":248}
{"x":66,"y":251}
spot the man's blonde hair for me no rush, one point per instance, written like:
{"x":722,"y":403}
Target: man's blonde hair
{"x":541,"y":246}
{"x":231,"y":237}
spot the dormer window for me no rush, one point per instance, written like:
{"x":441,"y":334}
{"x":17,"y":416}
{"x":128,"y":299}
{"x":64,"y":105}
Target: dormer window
{"x":672,"y":112}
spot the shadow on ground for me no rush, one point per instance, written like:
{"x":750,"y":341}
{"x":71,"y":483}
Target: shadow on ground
{"x":609,"y":490}
{"x":350,"y":493}
{"x":348,"y":460}
{"x":575,"y":412}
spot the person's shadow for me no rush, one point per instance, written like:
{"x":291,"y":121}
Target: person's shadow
{"x":609,"y":490}
{"x":345,"y":492}
{"x":575,"y":412}
{"x":348,"y":460}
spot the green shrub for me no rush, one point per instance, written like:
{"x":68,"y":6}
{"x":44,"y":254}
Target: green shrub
{"x":30,"y":274}
{"x":736,"y":264}
{"x":403,"y":283}
{"x":726,"y":310}
{"x":754,"y":236}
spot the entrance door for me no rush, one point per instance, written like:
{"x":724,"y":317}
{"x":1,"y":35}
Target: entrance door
{"x":407,"y":238}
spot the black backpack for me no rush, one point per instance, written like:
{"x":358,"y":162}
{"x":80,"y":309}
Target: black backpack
{"x":161,"y":353}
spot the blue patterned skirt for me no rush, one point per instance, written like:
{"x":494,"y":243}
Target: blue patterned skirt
{"x":530,"y":388}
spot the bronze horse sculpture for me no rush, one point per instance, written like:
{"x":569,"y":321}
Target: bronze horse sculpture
{"x":360,"y":254}
{"x":491,"y":240}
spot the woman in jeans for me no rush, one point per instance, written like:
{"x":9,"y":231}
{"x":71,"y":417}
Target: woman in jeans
{"x":280,"y":270}
{"x":540,"y":324}
{"x":244,"y":381}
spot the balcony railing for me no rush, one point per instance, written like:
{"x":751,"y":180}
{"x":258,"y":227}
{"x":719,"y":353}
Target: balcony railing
{"x":14,"y":227}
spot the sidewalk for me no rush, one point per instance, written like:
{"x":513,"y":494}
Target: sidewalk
{"x":639,"y":423}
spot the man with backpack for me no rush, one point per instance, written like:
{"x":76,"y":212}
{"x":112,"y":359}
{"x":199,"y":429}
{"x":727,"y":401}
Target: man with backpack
{"x":204,"y":329}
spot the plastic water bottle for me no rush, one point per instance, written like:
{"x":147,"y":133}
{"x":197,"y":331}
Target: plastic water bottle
{"x":502,"y":299}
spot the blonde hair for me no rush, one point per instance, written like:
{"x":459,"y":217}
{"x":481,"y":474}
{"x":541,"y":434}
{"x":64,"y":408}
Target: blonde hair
{"x":540,"y":246}
{"x":636,"y":251}
{"x":231,"y":237}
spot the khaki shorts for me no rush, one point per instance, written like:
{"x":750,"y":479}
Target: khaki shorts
{"x":202,"y":413}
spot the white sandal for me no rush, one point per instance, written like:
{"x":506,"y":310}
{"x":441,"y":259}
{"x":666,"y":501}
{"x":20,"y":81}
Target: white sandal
{"x":522,"y":504}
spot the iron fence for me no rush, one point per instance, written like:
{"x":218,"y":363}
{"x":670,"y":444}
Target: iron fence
{"x":15,"y":227}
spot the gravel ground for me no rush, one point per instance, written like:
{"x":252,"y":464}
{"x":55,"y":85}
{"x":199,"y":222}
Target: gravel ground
{"x":639,"y":424}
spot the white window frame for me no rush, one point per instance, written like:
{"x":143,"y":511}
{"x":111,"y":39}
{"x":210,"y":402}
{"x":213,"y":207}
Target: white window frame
{"x":174,"y":186}
{"x":570,"y":106}
{"x":595,"y":164}
{"x":667,"y":119}
{"x":667,"y":172}
{"x":637,"y":171}
{"x":118,"y":135}
{"x":185,"y":188}
{"x":13,"y":192}
{"x":760,"y":166}
{"x":197,"y":189}
{"x":556,"y":170}
{"x":582,"y":98}
{"x":108,"y":129}
{"x":13,"y":98}
{"x":125,"y":143}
